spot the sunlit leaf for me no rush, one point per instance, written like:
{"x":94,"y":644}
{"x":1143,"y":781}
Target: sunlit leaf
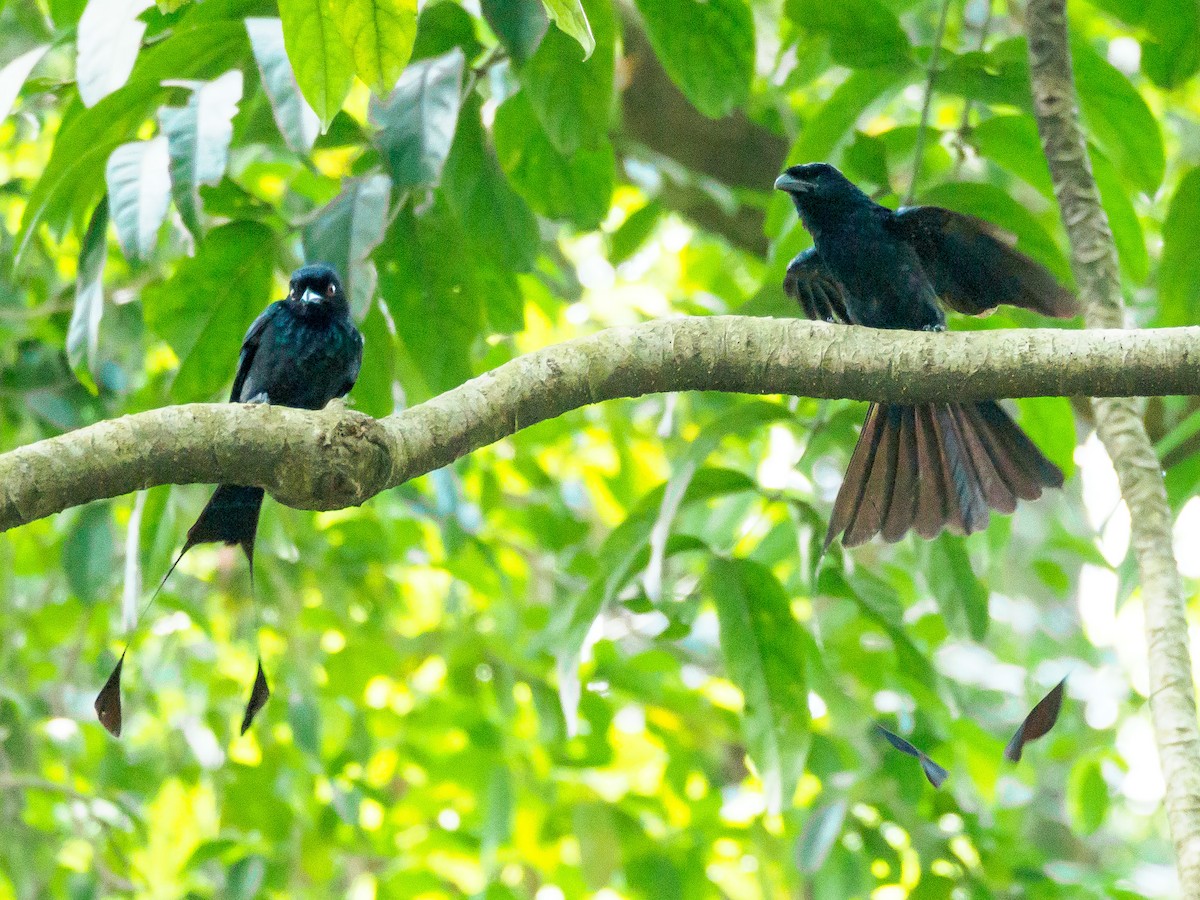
{"x":862,"y":33}
{"x":569,"y":16}
{"x":379,"y":35}
{"x":322,"y":63}
{"x":13,"y":75}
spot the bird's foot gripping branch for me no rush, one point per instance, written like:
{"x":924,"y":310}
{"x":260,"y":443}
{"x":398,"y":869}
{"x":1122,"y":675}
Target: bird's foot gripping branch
{"x":335,"y":457}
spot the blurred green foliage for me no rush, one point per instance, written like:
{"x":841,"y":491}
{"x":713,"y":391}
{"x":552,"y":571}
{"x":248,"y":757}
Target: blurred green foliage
{"x":599,"y":658}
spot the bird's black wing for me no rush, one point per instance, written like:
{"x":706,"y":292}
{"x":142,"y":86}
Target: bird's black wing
{"x":811,"y":285}
{"x":355,"y":364}
{"x":973,"y":269}
{"x":250,"y":347}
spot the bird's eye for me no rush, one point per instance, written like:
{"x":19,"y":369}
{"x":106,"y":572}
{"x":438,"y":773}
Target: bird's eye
{"x":331,"y":290}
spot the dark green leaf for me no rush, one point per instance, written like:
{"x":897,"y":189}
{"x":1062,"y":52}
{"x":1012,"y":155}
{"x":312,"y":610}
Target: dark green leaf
{"x":88,"y":553}
{"x":519,"y":25}
{"x":1171,"y":54}
{"x":862,"y":33}
{"x":961,"y":595}
{"x":204,"y":309}
{"x":576,"y":187}
{"x":572,"y":98}
{"x":418,"y":119}
{"x":374,"y":392}
{"x":1179,"y":269}
{"x":706,"y":46}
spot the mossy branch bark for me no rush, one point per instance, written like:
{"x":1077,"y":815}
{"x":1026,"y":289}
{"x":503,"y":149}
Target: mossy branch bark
{"x":336,"y":458}
{"x":1094,"y":259}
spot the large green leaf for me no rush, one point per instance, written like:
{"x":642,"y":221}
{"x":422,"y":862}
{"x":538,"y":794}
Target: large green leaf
{"x":374,"y":392}
{"x":960,"y":594}
{"x":1171,"y":52}
{"x":706,"y":46}
{"x":107,"y":43}
{"x":139,"y":191}
{"x":320,"y":58}
{"x":862,"y":33}
{"x":1118,"y":119}
{"x":198,"y":139}
{"x":205,"y":307}
{"x":576,"y":187}
{"x":88,"y":552}
{"x":347,"y":231}
{"x":520,"y":26}
{"x":570,"y":17}
{"x":380,"y":36}
{"x":572,"y":98}
{"x":764,"y":656}
{"x":417,"y":121}
{"x":297,"y":122}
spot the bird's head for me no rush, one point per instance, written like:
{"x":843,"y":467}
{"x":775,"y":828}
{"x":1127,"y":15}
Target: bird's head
{"x":818,"y":189}
{"x":316,"y":284}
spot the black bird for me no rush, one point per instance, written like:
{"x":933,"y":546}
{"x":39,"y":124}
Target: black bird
{"x":932,"y":465}
{"x":301,"y":352}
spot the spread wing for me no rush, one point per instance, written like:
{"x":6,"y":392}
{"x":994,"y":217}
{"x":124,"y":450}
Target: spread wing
{"x":811,"y":285}
{"x":249,"y":348}
{"x":973,"y":269}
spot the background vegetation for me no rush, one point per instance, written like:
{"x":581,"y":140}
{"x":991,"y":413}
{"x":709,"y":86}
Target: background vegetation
{"x":599,"y":656}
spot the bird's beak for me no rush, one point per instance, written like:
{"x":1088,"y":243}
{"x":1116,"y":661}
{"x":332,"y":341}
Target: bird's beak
{"x":311,"y":296}
{"x":791,"y":184}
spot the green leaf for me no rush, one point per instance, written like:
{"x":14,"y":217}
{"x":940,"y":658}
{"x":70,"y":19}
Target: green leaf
{"x":1087,"y":795}
{"x":745,"y":419}
{"x":205,"y":307}
{"x":572,"y":98}
{"x":87,"y":552}
{"x":374,"y":392}
{"x":862,"y":33}
{"x":707,"y":47}
{"x":961,"y":595}
{"x":634,"y":232}
{"x":346,"y":232}
{"x":320,"y":59}
{"x":1118,"y":119}
{"x":1122,"y":219}
{"x":198,"y":139}
{"x":1050,"y":423}
{"x":569,"y":16}
{"x":297,"y":122}
{"x":380,"y":36}
{"x":764,"y":656}
{"x":139,"y":191}
{"x":577,"y":187}
{"x":1171,"y":54}
{"x":13,"y":76}
{"x":417,"y":121}
{"x":520,"y":26}
{"x":84,"y":331}
{"x":1012,"y":143}
{"x":501,"y":224}
{"x":821,"y":829}
{"x":1179,"y":268}
{"x":107,"y":43}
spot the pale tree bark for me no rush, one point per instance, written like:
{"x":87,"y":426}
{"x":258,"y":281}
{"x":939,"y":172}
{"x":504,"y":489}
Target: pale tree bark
{"x":1094,"y":259}
{"x":336,"y":458}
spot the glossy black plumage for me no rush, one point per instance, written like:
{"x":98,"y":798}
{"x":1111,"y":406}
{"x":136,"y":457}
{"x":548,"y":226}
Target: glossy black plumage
{"x":929,"y":466}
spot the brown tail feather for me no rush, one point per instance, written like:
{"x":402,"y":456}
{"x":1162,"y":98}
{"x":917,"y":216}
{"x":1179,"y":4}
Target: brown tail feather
{"x":936,"y":466}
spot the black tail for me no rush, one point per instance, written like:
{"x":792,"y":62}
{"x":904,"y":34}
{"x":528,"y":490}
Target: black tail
{"x":935,"y":466}
{"x":230,"y":517}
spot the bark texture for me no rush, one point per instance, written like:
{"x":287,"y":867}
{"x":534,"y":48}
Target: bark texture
{"x":1094,"y":259}
{"x":336,"y":457}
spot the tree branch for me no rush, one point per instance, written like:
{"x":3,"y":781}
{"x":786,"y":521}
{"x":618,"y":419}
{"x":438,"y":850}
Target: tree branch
{"x":1094,"y":259}
{"x":336,"y":458}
